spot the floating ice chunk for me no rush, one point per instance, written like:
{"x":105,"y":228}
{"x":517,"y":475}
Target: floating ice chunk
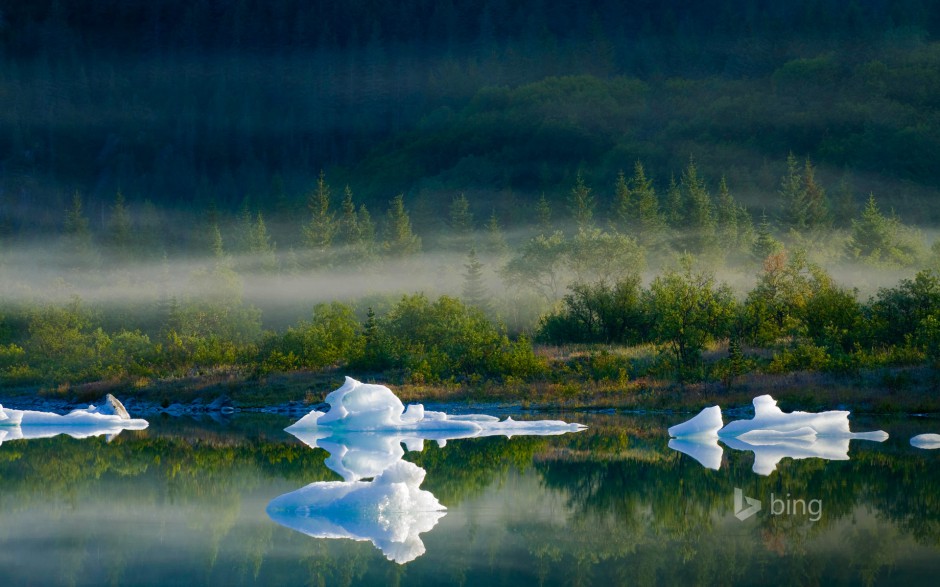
{"x":706,"y":423}
{"x":703,"y":449}
{"x":926,"y":441}
{"x":770,"y":419}
{"x":357,"y":406}
{"x":110,"y":418}
{"x":391,"y":511}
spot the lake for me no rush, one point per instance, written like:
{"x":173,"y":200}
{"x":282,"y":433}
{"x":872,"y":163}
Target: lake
{"x":194,"y":502}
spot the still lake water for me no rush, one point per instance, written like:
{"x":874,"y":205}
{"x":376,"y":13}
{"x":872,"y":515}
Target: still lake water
{"x":185,"y":502}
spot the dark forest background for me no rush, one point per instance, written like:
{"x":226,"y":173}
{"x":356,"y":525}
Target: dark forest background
{"x":198,"y":105}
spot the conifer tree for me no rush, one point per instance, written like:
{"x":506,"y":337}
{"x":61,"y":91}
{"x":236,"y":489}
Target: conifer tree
{"x":366,"y":231}
{"x":727,"y":214}
{"x":319,"y":232}
{"x":349,"y":232}
{"x":400,"y":240}
{"x":581,"y":204}
{"x":461,"y":219}
{"x":764,"y":242}
{"x":624,"y":212}
{"x":792,"y":196}
{"x":845,"y":207}
{"x":78,"y":232}
{"x":261,"y":247}
{"x":474,"y":289}
{"x":495,"y":244}
{"x":652,"y":225}
{"x":119,"y":228}
{"x":815,"y":204}
{"x":701,"y":220}
{"x":675,"y":214}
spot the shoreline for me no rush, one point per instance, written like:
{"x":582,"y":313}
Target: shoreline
{"x":900,"y":390}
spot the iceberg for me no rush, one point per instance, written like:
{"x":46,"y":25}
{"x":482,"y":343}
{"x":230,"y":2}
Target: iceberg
{"x":391,"y":511}
{"x":357,"y":406}
{"x":110,"y":418}
{"x":770,"y":421}
{"x":705,"y":424}
{"x":926,"y":441}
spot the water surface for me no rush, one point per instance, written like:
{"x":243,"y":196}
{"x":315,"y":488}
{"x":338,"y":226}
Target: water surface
{"x":185,"y":502}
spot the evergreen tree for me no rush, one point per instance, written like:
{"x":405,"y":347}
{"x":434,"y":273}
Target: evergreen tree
{"x":652,"y":225}
{"x":883,"y":240}
{"x":581,"y":204}
{"x":764,"y":242}
{"x":792,"y":196}
{"x":727,"y":213}
{"x":461,"y":219}
{"x":474,"y":289}
{"x":319,"y":232}
{"x":78,"y":232}
{"x":217,"y":247}
{"x":261,"y":247}
{"x":119,"y":228}
{"x":349,"y":233}
{"x":400,"y":240}
{"x":675,"y":214}
{"x":815,"y":204}
{"x":624,"y":212}
{"x":701,"y":219}
{"x":495,"y":244}
{"x":366,"y":231}
{"x":543,"y":215}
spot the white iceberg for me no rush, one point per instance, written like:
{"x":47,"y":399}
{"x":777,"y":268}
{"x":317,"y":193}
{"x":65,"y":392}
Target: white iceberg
{"x":703,"y":449}
{"x":926,"y":441}
{"x":770,"y":421}
{"x":391,"y":511}
{"x":706,"y":424}
{"x":357,"y":406}
{"x":769,"y":451}
{"x":110,"y":418}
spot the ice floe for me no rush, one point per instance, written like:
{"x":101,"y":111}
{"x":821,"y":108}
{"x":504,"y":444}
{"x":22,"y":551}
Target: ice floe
{"x":771,"y":435}
{"x":926,"y":441}
{"x":366,"y":432}
{"x":357,"y":406}
{"x":108,"y":419}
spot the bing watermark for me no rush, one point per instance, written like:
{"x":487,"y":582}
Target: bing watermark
{"x":745,"y":507}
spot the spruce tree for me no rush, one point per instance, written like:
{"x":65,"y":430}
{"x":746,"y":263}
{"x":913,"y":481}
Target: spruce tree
{"x":461,"y":219}
{"x":624,"y":212}
{"x":78,"y":232}
{"x":815,"y":204}
{"x":845,"y":207}
{"x":702,"y":222}
{"x":319,"y":232}
{"x":792,"y":196}
{"x":765,"y":244}
{"x":400,"y":240}
{"x":652,"y":225}
{"x":474,"y":289}
{"x":261,"y":247}
{"x":119,"y":228}
{"x":727,"y":213}
{"x":581,"y":204}
{"x":675,"y":214}
{"x":495,"y":243}
{"x":349,"y":233}
{"x":366,"y":232}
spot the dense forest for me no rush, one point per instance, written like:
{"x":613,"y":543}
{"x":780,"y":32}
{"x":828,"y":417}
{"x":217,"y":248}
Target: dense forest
{"x":437,"y":192}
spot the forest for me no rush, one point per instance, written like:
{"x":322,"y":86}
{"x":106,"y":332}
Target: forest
{"x":467,"y":193}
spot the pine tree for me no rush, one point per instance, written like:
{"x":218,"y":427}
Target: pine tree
{"x":261,"y":247}
{"x":217,"y":247}
{"x":845,"y":206}
{"x":495,"y":244}
{"x":400,"y":240}
{"x":727,"y":213}
{"x":349,"y":232}
{"x":792,"y":196}
{"x":474,"y":289}
{"x":624,"y":212}
{"x":581,"y":204}
{"x":319,"y":232}
{"x":675,"y":215}
{"x":701,"y":219}
{"x":366,"y":232}
{"x":543,"y":215}
{"x":815,"y":204}
{"x":119,"y":228}
{"x":765,"y":244}
{"x":652,"y":225}
{"x":461,"y":219}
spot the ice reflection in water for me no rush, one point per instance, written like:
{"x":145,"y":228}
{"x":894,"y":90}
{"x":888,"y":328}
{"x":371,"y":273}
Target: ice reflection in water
{"x":390,"y":510}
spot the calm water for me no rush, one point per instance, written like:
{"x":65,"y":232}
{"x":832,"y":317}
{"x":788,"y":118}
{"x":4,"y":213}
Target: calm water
{"x":185,"y":502}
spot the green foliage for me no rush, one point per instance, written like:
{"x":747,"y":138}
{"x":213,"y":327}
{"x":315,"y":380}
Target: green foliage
{"x":400,"y":241}
{"x":881,"y":240}
{"x":598,"y":312}
{"x":538,"y":265}
{"x":332,"y":337}
{"x":581,"y":204}
{"x":321,"y":229}
{"x":474,"y":291}
{"x":898,"y":313}
{"x":687,"y":310}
